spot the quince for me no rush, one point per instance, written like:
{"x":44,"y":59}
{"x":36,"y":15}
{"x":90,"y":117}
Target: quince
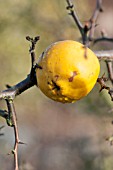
{"x":65,"y":74}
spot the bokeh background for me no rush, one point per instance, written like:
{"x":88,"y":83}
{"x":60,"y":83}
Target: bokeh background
{"x":57,"y":136}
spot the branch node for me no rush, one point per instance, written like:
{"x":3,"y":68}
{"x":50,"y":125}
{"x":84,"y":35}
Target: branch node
{"x":22,"y":143}
{"x":38,"y":66}
{"x":102,"y":81}
{"x":13,"y":151}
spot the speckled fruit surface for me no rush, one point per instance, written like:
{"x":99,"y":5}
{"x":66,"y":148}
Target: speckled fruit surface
{"x":66,"y":74}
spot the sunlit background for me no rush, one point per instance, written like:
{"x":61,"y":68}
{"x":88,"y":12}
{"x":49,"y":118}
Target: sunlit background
{"x":57,"y":136}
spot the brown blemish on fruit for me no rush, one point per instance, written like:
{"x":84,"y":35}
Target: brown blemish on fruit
{"x":55,"y":86}
{"x":56,"y":77}
{"x":72,"y":77}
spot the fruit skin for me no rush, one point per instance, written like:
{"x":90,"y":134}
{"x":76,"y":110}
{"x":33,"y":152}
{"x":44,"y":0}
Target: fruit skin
{"x":67,"y":75}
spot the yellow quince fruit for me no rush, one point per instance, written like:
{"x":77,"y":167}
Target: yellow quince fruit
{"x":65,"y":74}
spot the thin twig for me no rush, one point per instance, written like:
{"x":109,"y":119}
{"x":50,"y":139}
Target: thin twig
{"x":109,"y":65}
{"x":104,"y":54}
{"x":94,"y":18}
{"x":32,"y":50}
{"x":9,"y":94}
{"x":30,"y":81}
{"x":20,"y":87}
{"x":83,"y":29}
{"x":102,"y":81}
{"x":102,"y":39}
{"x":12,"y":113}
{"x":73,"y":13}
{"x":89,"y":26}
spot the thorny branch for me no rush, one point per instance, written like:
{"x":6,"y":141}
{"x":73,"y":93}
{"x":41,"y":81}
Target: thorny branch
{"x":28,"y":82}
{"x":32,"y":52}
{"x":103,"y":37}
{"x":94,"y":18}
{"x":12,"y":114}
{"x":109,"y":65}
{"x":83,"y":29}
{"x":104,"y":55}
{"x":9,"y":94}
{"x":73,"y":13}
{"x":87,"y":32}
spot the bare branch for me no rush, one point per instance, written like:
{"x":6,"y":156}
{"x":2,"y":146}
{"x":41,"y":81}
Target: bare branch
{"x":27,"y":83}
{"x":89,"y":26}
{"x":9,"y":94}
{"x":70,"y":7}
{"x":94,"y":18}
{"x":12,"y":114}
{"x":102,"y":39}
{"x":32,"y":51}
{"x":17,"y":89}
{"x":109,"y":65}
{"x":104,"y":55}
{"x":83,"y":29}
{"x":102,"y":83}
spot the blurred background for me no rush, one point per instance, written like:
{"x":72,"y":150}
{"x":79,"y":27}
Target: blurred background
{"x":57,"y":136}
